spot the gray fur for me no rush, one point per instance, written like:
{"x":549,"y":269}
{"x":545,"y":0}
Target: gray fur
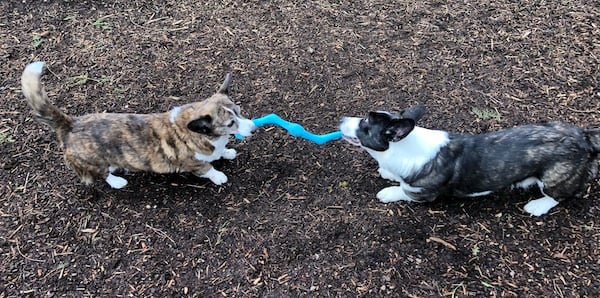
{"x":559,"y":158}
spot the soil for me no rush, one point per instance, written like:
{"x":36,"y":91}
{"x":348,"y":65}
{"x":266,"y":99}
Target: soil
{"x":295,"y":219}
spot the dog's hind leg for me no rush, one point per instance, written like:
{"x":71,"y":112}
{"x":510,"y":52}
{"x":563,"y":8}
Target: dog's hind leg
{"x":86,"y":173}
{"x":562,"y":181}
{"x":115,"y":181}
{"x":540,"y":206}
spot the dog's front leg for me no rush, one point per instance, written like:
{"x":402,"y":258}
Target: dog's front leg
{"x":208,"y":171}
{"x":385,"y":174}
{"x":225,"y":153}
{"x":393,"y":194}
{"x":399,"y":193}
{"x":229,"y":153}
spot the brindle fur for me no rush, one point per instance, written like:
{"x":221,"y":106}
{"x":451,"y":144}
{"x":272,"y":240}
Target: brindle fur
{"x":158,"y":142}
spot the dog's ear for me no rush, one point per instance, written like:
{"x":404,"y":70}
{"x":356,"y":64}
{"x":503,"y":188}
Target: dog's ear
{"x":224,"y":89}
{"x":415,"y":113}
{"x":399,"y":129}
{"x":379,"y":117}
{"x":201,"y":125}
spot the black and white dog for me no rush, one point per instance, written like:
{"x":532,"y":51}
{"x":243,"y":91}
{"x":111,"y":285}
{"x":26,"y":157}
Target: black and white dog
{"x":557,"y":157}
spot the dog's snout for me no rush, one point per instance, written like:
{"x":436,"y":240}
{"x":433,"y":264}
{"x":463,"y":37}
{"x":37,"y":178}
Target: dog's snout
{"x":348,"y":122}
{"x":246,"y":127}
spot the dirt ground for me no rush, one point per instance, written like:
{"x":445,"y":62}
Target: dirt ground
{"x":296,"y":219}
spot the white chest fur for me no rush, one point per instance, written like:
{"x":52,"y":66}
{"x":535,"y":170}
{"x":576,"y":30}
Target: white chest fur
{"x":219,"y":145}
{"x":409,"y":155}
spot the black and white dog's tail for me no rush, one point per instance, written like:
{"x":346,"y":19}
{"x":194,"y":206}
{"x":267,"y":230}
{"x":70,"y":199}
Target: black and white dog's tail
{"x":593,"y":135}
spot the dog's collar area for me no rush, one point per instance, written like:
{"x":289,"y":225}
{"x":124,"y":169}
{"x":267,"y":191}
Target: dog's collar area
{"x":174,"y":112}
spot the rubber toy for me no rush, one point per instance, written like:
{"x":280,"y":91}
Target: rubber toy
{"x":295,"y":129}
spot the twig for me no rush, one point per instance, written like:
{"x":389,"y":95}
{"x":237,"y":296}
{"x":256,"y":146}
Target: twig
{"x":582,"y":111}
{"x":440,"y":241}
{"x":26,"y":182}
{"x":161,"y":233}
{"x":26,"y":257}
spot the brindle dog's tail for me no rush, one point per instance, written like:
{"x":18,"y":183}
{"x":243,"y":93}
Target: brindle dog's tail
{"x":593,"y":136}
{"x":38,"y":100}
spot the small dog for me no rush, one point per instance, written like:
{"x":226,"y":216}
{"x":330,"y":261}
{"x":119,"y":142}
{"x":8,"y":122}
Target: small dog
{"x":185,"y":139}
{"x":557,"y":157}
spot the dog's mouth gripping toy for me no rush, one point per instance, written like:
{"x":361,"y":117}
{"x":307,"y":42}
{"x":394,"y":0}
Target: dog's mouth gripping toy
{"x":295,"y":129}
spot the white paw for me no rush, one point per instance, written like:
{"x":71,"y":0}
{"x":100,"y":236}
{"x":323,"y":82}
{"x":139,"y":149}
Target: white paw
{"x":229,"y":154}
{"x":115,"y":181}
{"x":393,"y":194}
{"x":217,"y":177}
{"x":540,"y":206}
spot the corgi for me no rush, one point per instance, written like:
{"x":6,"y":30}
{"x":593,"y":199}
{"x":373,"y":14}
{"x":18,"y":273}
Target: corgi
{"x":185,"y":139}
{"x":556,"y":157}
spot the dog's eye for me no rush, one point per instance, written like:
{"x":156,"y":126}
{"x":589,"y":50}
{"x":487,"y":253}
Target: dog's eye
{"x":363,"y":125}
{"x":231,"y":123}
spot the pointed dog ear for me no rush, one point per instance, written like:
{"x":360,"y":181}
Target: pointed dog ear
{"x":224,"y":89}
{"x":379,"y":117}
{"x":201,"y":125}
{"x":399,"y":129}
{"x":415,"y":113}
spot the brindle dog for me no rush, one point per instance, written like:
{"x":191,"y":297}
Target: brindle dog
{"x":185,"y":139}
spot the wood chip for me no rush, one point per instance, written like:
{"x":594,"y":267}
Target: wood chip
{"x":440,"y":241}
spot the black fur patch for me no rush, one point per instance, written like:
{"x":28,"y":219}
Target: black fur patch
{"x":556,"y":153}
{"x":379,"y":129}
{"x":202,"y":125}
